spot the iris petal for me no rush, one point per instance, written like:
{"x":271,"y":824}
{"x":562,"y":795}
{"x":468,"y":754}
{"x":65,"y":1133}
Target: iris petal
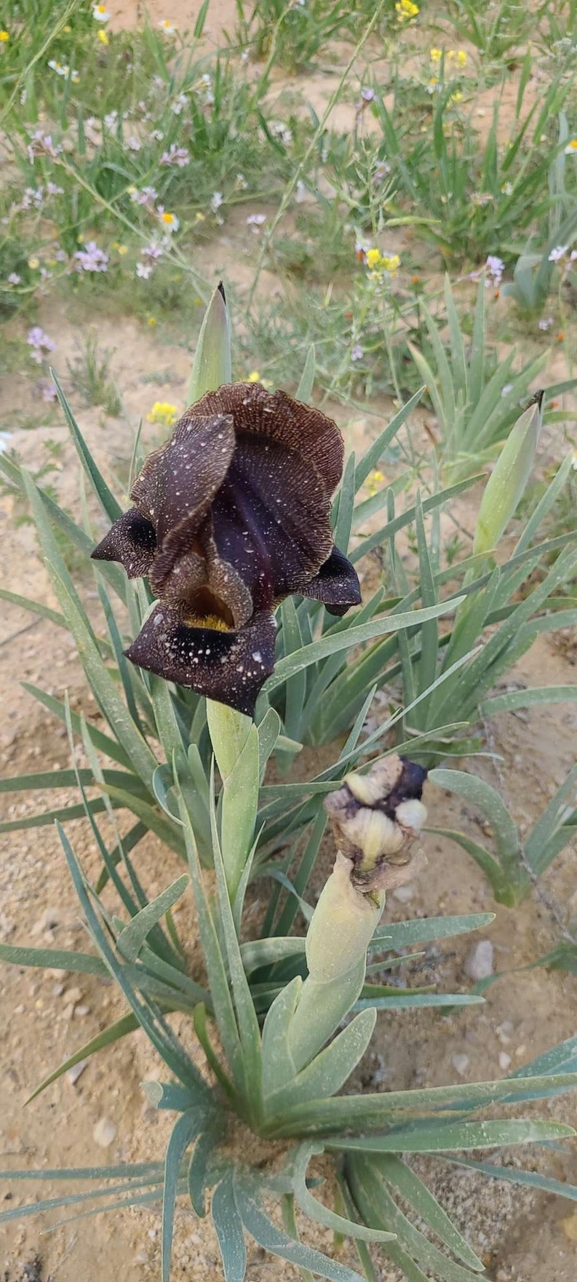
{"x":178,"y":482}
{"x":336,"y":584}
{"x":230,"y":667}
{"x":271,"y":519}
{"x":280,"y":418}
{"x":130,"y":540}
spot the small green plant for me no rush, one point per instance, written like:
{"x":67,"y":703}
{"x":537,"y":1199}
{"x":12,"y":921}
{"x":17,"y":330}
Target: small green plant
{"x":469,"y":200}
{"x":288,"y":32}
{"x":274,"y":1077}
{"x":495,"y":30}
{"x":90,"y":375}
{"x":475,"y":397}
{"x":517,"y":862}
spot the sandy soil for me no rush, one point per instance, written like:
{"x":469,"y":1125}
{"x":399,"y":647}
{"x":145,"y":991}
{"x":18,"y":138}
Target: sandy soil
{"x":47,"y":1016}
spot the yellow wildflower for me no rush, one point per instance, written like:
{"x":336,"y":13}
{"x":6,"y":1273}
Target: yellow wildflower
{"x":391,"y":263}
{"x":164,"y":413}
{"x":461,"y":58}
{"x":406,"y":10}
{"x":4,"y":36}
{"x":102,"y":37}
{"x":373,"y":258}
{"x":436,"y":55}
{"x":434,"y":80}
{"x":33,"y":263}
{"x":150,"y":320}
{"x":374,"y":481}
{"x":120,"y":249}
{"x":456,"y":97}
{"x":254,"y":376}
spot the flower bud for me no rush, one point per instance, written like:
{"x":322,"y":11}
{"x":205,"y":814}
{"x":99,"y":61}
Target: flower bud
{"x":341,"y":927}
{"x":509,"y":477}
{"x":375,"y":818}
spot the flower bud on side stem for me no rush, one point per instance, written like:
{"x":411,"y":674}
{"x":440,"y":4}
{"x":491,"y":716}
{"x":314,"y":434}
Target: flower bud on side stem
{"x":375,"y":819}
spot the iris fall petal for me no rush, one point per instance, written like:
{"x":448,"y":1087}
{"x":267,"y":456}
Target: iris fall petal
{"x":336,"y":584}
{"x":131,"y":540}
{"x":228,"y":666}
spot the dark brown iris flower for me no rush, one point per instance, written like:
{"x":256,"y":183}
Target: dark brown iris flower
{"x":230,"y":516}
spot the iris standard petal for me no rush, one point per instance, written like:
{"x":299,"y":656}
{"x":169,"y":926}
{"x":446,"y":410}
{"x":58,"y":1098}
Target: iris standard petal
{"x":271,"y":519}
{"x":280,"y":418}
{"x":130,"y":540}
{"x":336,"y":584}
{"x":230,"y":667}
{"x":177,"y":483}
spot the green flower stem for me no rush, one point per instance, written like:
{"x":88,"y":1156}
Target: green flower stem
{"x":235,"y":742}
{"x":338,"y":937}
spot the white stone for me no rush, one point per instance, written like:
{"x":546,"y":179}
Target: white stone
{"x":479,"y":961}
{"x":504,"y":1061}
{"x":104,"y":1132}
{"x":461,"y":1064}
{"x":76,"y":1071}
{"x":404,"y":893}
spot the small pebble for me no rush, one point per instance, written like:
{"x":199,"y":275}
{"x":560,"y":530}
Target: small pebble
{"x":404,"y":894}
{"x":479,"y":961}
{"x":504,"y":1061}
{"x":461,"y":1063}
{"x":49,"y":919}
{"x":104,"y":1132}
{"x":79,"y":1011}
{"x":73,"y":995}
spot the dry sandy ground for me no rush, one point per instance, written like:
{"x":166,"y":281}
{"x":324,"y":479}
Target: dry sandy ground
{"x":46,"y":1016}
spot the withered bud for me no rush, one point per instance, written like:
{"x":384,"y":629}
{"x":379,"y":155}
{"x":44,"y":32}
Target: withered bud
{"x":375,"y":818}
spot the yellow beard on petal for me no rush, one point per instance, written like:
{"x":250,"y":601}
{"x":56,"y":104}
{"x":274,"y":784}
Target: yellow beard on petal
{"x":207,"y":621}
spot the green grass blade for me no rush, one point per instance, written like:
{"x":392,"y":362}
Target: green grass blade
{"x":375,"y":451}
{"x":120,"y":1028}
{"x":185,"y":1130}
{"x":331,"y":644}
{"x":109,"y":503}
{"x":315,"y":1209}
{"x":407,"y":1184}
{"x":229,"y":1230}
{"x":52,"y":959}
{"x":408,"y":516}
{"x":273,"y":1239}
{"x":515,"y":699}
{"x":401,"y":934}
{"x":131,"y":939}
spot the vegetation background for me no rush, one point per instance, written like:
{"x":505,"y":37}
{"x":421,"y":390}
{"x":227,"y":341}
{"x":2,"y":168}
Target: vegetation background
{"x":446,"y":144}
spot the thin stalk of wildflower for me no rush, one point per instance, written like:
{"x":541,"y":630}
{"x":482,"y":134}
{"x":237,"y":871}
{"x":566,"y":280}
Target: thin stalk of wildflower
{"x":301,"y":167}
{"x":51,"y":39}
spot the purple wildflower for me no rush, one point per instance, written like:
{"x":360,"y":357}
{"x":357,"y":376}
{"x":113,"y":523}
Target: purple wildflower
{"x":357,"y":352}
{"x":494,"y":268}
{"x":47,"y":390}
{"x":91,"y":259}
{"x":175,"y":156}
{"x":41,"y":145}
{"x":40,"y":343}
{"x":146,"y":196}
